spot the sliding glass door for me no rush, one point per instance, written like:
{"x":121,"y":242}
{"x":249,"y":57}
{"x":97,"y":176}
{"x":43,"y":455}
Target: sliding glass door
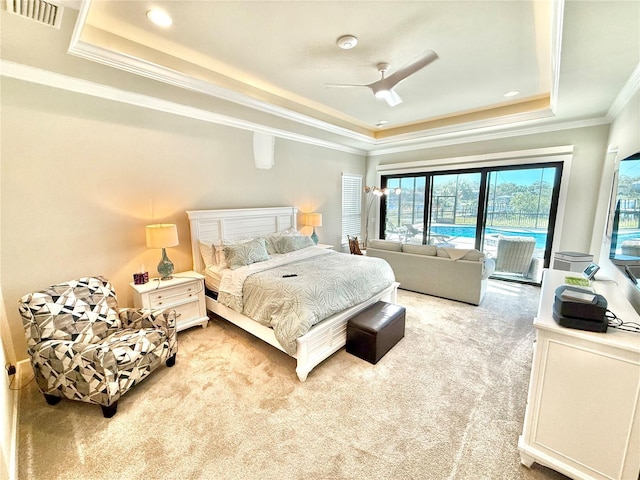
{"x":506,"y":212}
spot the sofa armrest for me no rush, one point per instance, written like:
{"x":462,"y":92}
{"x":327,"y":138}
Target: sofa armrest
{"x":488,"y":267}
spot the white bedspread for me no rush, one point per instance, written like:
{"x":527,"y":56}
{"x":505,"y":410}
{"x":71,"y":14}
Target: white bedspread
{"x":326,"y":283}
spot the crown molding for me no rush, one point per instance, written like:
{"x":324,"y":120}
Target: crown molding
{"x":482,"y":134}
{"x":157,"y":72}
{"x":630,"y":88}
{"x":85,"y":87}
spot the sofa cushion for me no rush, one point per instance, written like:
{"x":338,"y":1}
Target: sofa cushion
{"x":386,"y":245}
{"x":429,"y":250}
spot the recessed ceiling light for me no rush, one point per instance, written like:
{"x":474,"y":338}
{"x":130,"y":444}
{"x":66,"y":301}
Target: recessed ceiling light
{"x":159,"y":17}
{"x":512,"y":93}
{"x":347,"y":42}
{"x":382,"y":123}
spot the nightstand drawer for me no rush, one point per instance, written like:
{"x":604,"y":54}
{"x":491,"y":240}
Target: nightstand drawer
{"x":186,"y":311}
{"x":168,"y":296}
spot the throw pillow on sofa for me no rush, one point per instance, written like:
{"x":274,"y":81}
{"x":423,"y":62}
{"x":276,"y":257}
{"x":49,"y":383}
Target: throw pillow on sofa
{"x":429,"y":250}
{"x":386,"y":245}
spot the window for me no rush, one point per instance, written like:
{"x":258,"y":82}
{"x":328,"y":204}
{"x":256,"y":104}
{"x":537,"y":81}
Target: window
{"x":479,"y":208}
{"x":351,"y":205}
{"x":625,"y":241}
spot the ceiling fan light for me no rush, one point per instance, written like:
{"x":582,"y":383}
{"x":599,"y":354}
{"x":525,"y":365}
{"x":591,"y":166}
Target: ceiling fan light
{"x":382,"y":94}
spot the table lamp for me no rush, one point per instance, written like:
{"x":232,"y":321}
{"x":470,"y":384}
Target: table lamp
{"x":163,"y":235}
{"x":314,"y":220}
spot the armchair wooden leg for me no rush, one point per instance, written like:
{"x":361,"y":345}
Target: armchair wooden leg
{"x":51,"y":399}
{"x":171,"y":361}
{"x":109,"y":411}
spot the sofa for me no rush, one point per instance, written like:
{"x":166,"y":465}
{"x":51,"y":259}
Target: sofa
{"x":456,"y":274}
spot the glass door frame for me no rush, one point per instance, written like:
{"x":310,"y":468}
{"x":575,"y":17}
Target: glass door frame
{"x":483,"y":198}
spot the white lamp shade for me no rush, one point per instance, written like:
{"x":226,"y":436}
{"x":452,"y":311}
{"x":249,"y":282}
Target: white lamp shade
{"x":162,"y":235}
{"x":313,"y":220}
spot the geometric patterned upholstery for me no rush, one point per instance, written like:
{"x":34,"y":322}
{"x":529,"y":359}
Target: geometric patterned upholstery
{"x":82,"y":347}
{"x":514,"y":254}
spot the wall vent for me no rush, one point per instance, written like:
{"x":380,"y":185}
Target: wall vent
{"x":40,"y":11}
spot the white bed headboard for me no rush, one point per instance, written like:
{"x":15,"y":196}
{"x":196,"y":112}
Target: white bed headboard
{"x":217,"y":225}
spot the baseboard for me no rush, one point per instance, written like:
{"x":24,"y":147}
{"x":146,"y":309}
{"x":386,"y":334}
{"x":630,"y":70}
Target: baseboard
{"x":23,"y":369}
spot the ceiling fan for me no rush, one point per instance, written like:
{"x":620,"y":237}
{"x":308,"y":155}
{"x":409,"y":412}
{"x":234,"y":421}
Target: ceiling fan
{"x":383,"y":88}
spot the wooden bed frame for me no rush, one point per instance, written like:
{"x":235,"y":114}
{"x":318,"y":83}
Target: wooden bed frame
{"x":324,"y":338}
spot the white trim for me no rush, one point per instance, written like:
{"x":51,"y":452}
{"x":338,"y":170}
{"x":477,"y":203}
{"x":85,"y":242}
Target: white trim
{"x":482,"y":136}
{"x":534,"y":155}
{"x":23,"y":367}
{"x":557,"y":21}
{"x":159,"y":73}
{"x":475,"y":132}
{"x":629,"y":89}
{"x":85,"y":87}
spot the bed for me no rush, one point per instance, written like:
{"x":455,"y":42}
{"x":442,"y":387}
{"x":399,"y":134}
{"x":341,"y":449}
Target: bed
{"x":323,"y":338}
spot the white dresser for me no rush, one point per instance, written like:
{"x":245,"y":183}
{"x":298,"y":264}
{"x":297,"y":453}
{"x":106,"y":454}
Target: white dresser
{"x":583,"y":409}
{"x":184,"y":293}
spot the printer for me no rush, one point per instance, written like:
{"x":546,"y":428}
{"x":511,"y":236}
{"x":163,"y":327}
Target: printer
{"x":579,"y":308}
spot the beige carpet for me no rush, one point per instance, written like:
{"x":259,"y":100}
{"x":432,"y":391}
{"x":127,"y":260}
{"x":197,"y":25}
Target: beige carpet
{"x":447,"y":402}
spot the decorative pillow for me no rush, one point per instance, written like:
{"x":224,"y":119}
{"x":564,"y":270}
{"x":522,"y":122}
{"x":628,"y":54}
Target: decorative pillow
{"x":219,"y":255}
{"x":271,"y":248}
{"x":291,"y":243}
{"x":246,"y":253}
{"x":385,"y":245}
{"x":460,"y":254}
{"x":208,"y":254}
{"x":429,"y":250}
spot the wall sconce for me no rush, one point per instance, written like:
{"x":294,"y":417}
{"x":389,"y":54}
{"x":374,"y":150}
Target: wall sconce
{"x":313,"y":220}
{"x":163,"y":235}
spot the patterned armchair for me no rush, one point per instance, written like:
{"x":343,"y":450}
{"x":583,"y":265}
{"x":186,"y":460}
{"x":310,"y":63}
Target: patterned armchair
{"x":82,"y":347}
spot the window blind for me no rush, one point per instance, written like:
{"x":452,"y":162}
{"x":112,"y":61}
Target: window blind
{"x":351,"y":205}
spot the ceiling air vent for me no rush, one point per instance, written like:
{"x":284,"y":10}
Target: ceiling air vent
{"x":47,"y":13}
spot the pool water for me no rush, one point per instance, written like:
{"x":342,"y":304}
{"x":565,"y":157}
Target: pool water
{"x":470,"y":232}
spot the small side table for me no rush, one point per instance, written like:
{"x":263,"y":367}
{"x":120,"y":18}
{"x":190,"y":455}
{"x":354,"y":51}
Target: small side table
{"x":184,"y":293}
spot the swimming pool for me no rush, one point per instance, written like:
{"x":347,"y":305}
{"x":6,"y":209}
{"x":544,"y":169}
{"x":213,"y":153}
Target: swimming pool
{"x":469,"y":231}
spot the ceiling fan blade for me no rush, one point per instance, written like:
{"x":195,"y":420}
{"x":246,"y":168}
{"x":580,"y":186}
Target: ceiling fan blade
{"x":395,"y":78}
{"x":343,"y":85}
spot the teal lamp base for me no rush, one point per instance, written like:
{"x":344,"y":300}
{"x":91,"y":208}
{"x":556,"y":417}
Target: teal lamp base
{"x":314,"y":237}
{"x":165,"y":267}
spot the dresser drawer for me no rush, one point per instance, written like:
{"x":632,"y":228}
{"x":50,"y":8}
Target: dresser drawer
{"x":168,"y":296}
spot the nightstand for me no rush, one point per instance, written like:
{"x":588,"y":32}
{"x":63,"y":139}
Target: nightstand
{"x":325,"y":246}
{"x":184,"y":293}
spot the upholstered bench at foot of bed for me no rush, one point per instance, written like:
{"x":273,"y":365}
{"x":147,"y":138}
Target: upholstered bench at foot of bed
{"x":374,"y":331}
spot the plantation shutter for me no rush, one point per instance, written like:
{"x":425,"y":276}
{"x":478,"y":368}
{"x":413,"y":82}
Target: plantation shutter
{"x":351,"y":205}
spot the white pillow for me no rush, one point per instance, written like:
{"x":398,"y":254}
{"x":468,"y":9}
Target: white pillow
{"x":208,"y":254}
{"x":386,"y":245}
{"x":429,"y":250}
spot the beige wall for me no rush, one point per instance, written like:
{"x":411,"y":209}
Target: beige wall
{"x":589,"y":152}
{"x":81,"y":177}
